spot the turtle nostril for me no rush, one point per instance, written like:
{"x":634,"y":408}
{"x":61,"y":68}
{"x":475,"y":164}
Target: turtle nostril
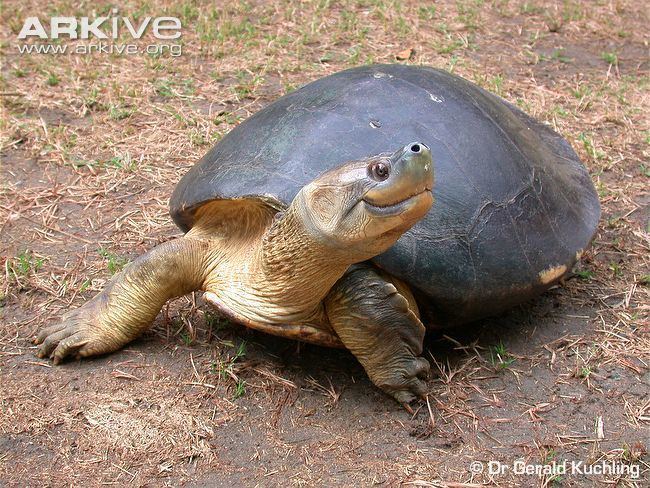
{"x":415,"y":148}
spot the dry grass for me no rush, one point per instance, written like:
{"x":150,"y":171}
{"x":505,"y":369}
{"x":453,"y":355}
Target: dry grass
{"x":91,"y":147}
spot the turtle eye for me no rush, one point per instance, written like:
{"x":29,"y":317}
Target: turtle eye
{"x":379,"y":171}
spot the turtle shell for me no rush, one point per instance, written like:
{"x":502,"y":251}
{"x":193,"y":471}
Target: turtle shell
{"x":514,"y":205}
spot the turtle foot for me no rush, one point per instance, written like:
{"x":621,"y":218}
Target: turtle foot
{"x":79,"y":334}
{"x":406,"y":380}
{"x":379,"y":325}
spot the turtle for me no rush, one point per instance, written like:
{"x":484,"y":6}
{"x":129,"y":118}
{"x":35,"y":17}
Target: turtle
{"x":317,"y":219}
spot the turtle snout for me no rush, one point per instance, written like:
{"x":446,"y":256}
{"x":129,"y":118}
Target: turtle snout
{"x":415,"y":166}
{"x":408,"y":173}
{"x":417,"y":147}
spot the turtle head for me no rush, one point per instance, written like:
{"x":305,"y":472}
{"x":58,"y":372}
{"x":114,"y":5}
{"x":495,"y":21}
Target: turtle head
{"x":363,"y":207}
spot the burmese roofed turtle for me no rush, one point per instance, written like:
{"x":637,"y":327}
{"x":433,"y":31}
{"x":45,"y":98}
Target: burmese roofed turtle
{"x":293,"y":221}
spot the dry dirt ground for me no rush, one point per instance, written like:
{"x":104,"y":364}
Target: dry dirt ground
{"x":91,"y":148}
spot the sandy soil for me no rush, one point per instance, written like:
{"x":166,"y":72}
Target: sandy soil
{"x":91,"y":148}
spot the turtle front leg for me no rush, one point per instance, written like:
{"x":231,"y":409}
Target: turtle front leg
{"x":377,"y":324}
{"x":129,"y":303}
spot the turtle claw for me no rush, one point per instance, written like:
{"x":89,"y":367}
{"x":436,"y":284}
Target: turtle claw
{"x":77,"y":335}
{"x":408,"y":408}
{"x":406,"y":383}
{"x":49,"y":340}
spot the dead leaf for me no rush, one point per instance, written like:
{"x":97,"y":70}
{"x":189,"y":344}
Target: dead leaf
{"x":406,"y":54}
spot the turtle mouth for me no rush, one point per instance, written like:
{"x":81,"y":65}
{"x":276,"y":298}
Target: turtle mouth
{"x":396,"y":208}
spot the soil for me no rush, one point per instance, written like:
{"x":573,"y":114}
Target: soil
{"x":198,"y":401}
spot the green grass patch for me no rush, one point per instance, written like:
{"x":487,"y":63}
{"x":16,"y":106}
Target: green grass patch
{"x":215,"y":321}
{"x":609,"y":58}
{"x":226,"y":369}
{"x":585,"y":274}
{"x":558,"y":55}
{"x":114,"y":263}
{"x":169,"y":88}
{"x":25,"y":263}
{"x":117,"y":112}
{"x":616,"y":269}
{"x":500,"y":357}
{"x":590,"y":147}
{"x":52,"y":79}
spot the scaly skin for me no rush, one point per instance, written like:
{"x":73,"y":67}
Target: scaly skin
{"x":284,"y":273}
{"x":378,"y":325}
{"x":129,"y":303}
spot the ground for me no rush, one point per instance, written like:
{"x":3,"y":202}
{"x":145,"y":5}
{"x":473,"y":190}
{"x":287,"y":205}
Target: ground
{"x":91,"y":148}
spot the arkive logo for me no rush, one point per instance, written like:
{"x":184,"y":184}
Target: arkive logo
{"x":100,"y":27}
{"x":101,"y":35}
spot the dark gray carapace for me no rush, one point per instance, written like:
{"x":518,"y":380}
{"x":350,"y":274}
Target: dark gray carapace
{"x":514,"y":205}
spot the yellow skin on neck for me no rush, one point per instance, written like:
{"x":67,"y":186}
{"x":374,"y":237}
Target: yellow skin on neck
{"x":267,"y":272}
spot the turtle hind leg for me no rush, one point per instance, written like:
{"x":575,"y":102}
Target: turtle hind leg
{"x":129,"y":303}
{"x":379,"y":326}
